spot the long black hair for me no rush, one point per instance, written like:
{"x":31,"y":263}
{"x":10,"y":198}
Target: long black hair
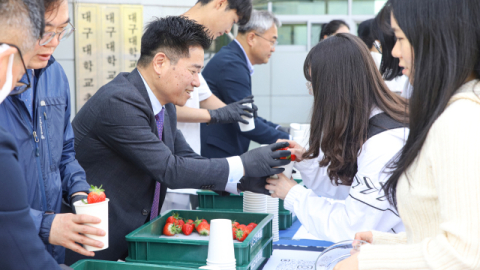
{"x":330,"y":28}
{"x":346,"y":87}
{"x":381,"y":31}
{"x":445,"y":40}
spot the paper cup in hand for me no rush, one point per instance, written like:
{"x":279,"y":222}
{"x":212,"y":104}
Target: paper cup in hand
{"x":288,"y":169}
{"x":251,"y":121}
{"x":99,"y":210}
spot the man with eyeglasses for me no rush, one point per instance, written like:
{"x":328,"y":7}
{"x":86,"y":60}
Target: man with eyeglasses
{"x":228,"y":75}
{"x":39,"y":120}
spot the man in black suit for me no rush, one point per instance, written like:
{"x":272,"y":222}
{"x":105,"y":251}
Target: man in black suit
{"x":228,"y":75}
{"x":117,"y":135}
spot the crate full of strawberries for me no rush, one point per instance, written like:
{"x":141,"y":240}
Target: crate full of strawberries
{"x":180,"y":237}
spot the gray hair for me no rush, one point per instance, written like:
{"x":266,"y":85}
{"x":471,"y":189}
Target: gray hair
{"x":23,"y":19}
{"x":260,"y":21}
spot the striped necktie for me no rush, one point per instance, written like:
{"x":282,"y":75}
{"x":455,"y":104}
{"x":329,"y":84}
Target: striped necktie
{"x":156,"y":197}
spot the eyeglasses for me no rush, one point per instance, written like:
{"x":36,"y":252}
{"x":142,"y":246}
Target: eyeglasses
{"x":273,"y":42}
{"x":20,"y":87}
{"x":65,"y":33}
{"x":310,"y":88}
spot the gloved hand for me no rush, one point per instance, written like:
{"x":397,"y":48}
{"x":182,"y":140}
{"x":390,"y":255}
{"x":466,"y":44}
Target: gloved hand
{"x":284,"y":129}
{"x":233,"y":112}
{"x":255,"y":110}
{"x":259,"y":162}
{"x":253,"y":184}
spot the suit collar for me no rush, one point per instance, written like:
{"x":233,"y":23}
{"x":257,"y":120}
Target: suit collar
{"x":135,"y":78}
{"x":156,"y":105}
{"x":249,"y":64}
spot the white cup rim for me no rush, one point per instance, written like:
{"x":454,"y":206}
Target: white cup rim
{"x":81,"y":204}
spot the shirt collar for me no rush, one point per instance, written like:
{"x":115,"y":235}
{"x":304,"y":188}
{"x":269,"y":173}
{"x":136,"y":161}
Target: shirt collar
{"x":157,"y":107}
{"x":250,"y":66}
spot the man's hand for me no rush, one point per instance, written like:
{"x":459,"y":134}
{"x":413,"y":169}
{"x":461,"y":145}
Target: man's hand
{"x":365,"y":236}
{"x":66,"y":229}
{"x":233,"y":112}
{"x":253,"y":184}
{"x":281,"y":186}
{"x":259,"y":162}
{"x":295,"y":148}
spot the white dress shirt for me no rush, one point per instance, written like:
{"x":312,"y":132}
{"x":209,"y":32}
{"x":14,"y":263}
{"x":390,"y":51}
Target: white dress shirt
{"x":235,"y":172}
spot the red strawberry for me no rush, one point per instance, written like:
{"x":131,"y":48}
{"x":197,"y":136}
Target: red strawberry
{"x":235,"y":224}
{"x":249,"y":228}
{"x":180,"y":223}
{"x":170,"y":229}
{"x":291,"y":157}
{"x":241,"y":235}
{"x":203,"y":228}
{"x":174,"y":217}
{"x":198,"y":221}
{"x":96,"y":195}
{"x":190,"y":221}
{"x":241,"y":227}
{"x":253,"y":224}
{"x":187,"y":228}
{"x":234,"y":231}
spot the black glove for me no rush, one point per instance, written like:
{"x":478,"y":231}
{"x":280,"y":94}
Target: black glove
{"x":233,"y":112}
{"x":259,"y":162}
{"x":284,"y":129}
{"x":253,"y":184}
{"x":77,"y":198}
{"x":255,"y":110}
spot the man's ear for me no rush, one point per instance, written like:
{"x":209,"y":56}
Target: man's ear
{"x":159,"y":62}
{"x":251,"y":38}
{"x":221,"y":4}
{"x":5,"y":54}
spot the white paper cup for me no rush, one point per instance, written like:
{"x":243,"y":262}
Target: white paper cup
{"x":220,"y":245}
{"x":99,"y":210}
{"x":288,"y":169}
{"x":251,"y":121}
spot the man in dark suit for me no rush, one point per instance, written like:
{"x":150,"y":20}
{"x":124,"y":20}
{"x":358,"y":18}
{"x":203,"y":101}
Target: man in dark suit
{"x":127,"y":140}
{"x":228,"y":75}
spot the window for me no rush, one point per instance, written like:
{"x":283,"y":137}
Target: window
{"x":315,"y":34}
{"x":367,"y":7}
{"x":292,"y":34}
{"x":309,"y":7}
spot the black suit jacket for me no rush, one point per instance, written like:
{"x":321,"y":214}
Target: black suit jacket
{"x":228,"y":77}
{"x":116,"y":141}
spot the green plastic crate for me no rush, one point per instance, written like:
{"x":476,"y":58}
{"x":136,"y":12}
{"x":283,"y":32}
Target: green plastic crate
{"x":109,"y":265}
{"x":211,"y":201}
{"x":145,"y":246}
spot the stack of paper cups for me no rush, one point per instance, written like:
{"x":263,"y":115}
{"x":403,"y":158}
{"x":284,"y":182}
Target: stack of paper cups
{"x":272,"y":207}
{"x":254,"y":202}
{"x":221,"y":253}
{"x":99,"y":210}
{"x":251,"y":121}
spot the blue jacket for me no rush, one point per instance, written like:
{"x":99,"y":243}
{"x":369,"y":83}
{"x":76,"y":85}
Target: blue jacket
{"x":46,"y":148}
{"x":21,"y":248}
{"x":228,"y":77}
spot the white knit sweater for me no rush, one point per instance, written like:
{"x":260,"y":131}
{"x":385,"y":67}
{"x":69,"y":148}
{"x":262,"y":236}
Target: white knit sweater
{"x":440,"y":202}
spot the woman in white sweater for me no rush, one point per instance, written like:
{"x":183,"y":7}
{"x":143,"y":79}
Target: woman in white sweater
{"x":357,"y":128}
{"x":436,"y":182}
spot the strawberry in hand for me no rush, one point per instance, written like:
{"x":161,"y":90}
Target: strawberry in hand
{"x":291,"y":157}
{"x":96,"y":195}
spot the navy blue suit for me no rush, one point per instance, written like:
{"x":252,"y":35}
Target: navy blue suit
{"x":228,"y":77}
{"x":20,"y":245}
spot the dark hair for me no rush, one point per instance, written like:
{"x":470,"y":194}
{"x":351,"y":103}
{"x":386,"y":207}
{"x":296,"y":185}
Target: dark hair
{"x":24,"y":19}
{"x":346,"y":88}
{"x":382,"y":31}
{"x":365,"y":34}
{"x":330,"y":28}
{"x":243,"y":8}
{"x":445,"y":40}
{"x":173,"y":35}
{"x":51,"y":5}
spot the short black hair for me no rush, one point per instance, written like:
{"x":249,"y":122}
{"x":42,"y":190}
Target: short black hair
{"x":330,"y":28}
{"x":51,"y":5}
{"x":173,"y":35}
{"x":365,"y":34}
{"x":243,"y":8}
